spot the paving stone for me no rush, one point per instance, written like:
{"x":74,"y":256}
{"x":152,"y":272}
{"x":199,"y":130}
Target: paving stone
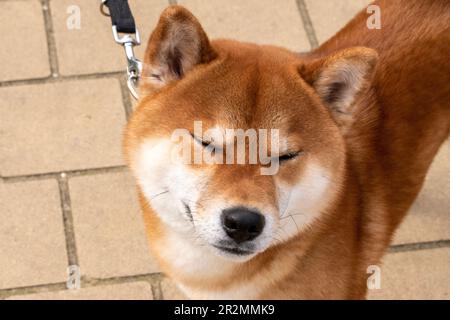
{"x":429,"y":218}
{"x":109,"y":228}
{"x":328,"y":17}
{"x":260,"y":21}
{"x":423,"y":274}
{"x":32,"y":242}
{"x":91,"y":48}
{"x":68,"y":125}
{"x":24,"y":54}
{"x":125,"y":291}
{"x":171,"y":291}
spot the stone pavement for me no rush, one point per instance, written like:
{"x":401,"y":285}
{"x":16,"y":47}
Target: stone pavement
{"x":66,"y":197}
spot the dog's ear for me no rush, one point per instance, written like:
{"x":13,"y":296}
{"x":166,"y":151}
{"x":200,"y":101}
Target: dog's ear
{"x":175,"y":47}
{"x":340,"y":77}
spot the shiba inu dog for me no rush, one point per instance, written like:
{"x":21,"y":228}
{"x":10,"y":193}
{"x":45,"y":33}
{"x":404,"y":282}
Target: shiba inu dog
{"x":359,"y":121}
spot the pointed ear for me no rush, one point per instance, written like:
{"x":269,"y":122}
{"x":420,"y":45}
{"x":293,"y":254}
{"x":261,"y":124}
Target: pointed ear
{"x":175,"y":47}
{"x":341,"y":77}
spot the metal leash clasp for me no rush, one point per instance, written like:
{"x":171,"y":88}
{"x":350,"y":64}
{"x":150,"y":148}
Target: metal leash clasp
{"x":128,"y":41}
{"x":134,"y":67}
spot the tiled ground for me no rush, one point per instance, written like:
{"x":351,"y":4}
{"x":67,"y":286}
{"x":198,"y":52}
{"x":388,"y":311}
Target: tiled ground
{"x":65,"y":196}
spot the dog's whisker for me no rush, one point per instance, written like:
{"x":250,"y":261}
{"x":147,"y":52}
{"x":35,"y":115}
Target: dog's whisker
{"x":293,"y":220}
{"x":159,"y":194}
{"x":292,"y":215}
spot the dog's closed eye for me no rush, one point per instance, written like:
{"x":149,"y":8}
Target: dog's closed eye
{"x":289,"y":156}
{"x":202,"y":142}
{"x":156,"y":76}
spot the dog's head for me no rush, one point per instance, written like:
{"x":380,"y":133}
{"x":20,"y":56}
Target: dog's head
{"x":290,"y":110}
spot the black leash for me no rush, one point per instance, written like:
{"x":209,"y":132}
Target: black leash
{"x":121,"y":15}
{"x":123,"y":23}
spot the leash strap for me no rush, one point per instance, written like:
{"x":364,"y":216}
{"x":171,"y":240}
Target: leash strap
{"x":123,"y":23}
{"x":121,"y":16}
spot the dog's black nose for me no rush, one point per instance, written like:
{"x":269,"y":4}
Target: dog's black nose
{"x":242,"y":224}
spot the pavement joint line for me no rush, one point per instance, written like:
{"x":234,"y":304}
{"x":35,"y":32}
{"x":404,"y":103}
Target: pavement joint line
{"x":69,"y":231}
{"x":69,"y":173}
{"x":51,"y":43}
{"x":409,"y":247}
{"x":157,"y":290}
{"x":151,"y":278}
{"x":51,"y":287}
{"x":50,"y":79}
{"x":307,"y":24}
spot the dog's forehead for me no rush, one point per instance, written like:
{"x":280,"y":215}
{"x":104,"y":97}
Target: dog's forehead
{"x":250,"y":87}
{"x":244,"y":91}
